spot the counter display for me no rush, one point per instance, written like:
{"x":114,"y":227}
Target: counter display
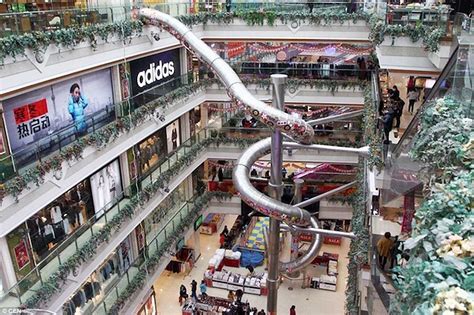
{"x":256,"y":284}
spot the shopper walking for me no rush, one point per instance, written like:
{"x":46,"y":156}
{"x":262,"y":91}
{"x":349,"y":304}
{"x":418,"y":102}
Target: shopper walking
{"x":394,"y":251}
{"x":413,"y":97}
{"x":183,"y":295}
{"x":399,"y":104}
{"x":293,"y":310}
{"x":396,"y":92}
{"x":225,"y":231}
{"x":383,"y":247}
{"x":387,"y":124}
{"x":193,"y":289}
{"x":231,"y":295}
{"x":203,"y":288}
{"x":262,"y":312}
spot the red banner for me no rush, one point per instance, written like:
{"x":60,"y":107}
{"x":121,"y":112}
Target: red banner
{"x":408,"y":212}
{"x":21,"y":255}
{"x":30,"y":111}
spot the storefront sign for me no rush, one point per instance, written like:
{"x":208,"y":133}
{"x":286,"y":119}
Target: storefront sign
{"x":154,"y":70}
{"x":198,"y":223}
{"x":305,"y":237}
{"x":21,"y":255}
{"x":35,"y":115}
{"x":332,"y":240}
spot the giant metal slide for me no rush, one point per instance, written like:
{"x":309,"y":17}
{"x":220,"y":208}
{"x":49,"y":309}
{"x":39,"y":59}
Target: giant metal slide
{"x":301,"y":133}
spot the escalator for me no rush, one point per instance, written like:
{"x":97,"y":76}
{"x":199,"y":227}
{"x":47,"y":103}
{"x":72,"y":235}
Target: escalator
{"x":456,"y":81}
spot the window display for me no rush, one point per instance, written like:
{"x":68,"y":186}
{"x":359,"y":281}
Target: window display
{"x":149,"y":307}
{"x":106,"y":187}
{"x":52,"y":224}
{"x":151,"y":151}
{"x":173,"y":136}
{"x":125,"y":254}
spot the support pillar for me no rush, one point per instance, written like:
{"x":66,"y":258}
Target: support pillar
{"x":278,"y":93}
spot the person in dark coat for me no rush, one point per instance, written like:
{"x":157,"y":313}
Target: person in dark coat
{"x":194,"y":289}
{"x":399,"y":104}
{"x":387,"y":124}
{"x":183,"y":294}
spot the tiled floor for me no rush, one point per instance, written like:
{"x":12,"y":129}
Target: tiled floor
{"x":307,"y":301}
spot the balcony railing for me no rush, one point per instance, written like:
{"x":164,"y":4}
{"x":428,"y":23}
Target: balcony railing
{"x":158,"y":174}
{"x":33,"y":154}
{"x":28,"y":21}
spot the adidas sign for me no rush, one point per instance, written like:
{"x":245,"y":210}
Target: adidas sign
{"x":155,"y":73}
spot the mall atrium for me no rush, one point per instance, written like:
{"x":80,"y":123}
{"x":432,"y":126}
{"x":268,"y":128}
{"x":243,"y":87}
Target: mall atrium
{"x":236,"y":157}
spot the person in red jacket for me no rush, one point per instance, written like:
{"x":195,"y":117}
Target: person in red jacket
{"x":222,"y":240}
{"x":293,"y":310}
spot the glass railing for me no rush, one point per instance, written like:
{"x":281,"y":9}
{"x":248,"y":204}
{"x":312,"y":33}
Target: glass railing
{"x":184,"y":214}
{"x":169,"y":208}
{"x":40,"y":274}
{"x":415,"y":15}
{"x":321,"y":70}
{"x":33,"y":154}
{"x":400,"y":175}
{"x":21,"y":21}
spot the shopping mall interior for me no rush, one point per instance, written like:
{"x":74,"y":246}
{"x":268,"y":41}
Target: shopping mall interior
{"x":236,"y":157}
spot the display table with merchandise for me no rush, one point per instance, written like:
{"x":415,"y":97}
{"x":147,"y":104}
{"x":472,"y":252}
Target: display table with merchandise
{"x":326,"y":272}
{"x":224,"y":257}
{"x":208,"y":305}
{"x":256,"y":284}
{"x":212,"y":223}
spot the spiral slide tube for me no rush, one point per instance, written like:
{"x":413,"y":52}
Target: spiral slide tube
{"x":296,"y":219}
{"x":293,"y":127}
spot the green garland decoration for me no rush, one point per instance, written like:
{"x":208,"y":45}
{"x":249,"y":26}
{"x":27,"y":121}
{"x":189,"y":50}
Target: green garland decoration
{"x":441,"y":248}
{"x":104,"y":136}
{"x":372,"y":136}
{"x":269,"y":17}
{"x":430,"y":35}
{"x":153,"y":262}
{"x":136,"y":202}
{"x":38,"y":41}
{"x":359,"y":247}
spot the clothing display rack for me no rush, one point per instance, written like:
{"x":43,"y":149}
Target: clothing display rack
{"x":183,"y":261}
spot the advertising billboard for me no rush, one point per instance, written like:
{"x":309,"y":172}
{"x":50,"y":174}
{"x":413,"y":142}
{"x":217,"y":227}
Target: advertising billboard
{"x":173,"y":136}
{"x":151,"y":71}
{"x":106,"y":186}
{"x":35,"y":115}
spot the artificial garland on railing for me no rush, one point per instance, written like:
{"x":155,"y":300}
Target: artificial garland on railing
{"x":111,"y":132}
{"x":372,"y":137}
{"x":430,"y":35}
{"x":439,"y":276}
{"x":359,"y":247}
{"x":165,"y":249}
{"x":38,"y":41}
{"x":269,"y":17}
{"x":88,"y":250}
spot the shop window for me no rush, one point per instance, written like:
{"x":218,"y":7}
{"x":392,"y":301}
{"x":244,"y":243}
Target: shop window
{"x":50,"y":226}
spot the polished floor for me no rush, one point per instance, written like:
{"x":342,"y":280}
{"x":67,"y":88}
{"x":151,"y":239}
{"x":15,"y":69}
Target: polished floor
{"x":308,"y":301}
